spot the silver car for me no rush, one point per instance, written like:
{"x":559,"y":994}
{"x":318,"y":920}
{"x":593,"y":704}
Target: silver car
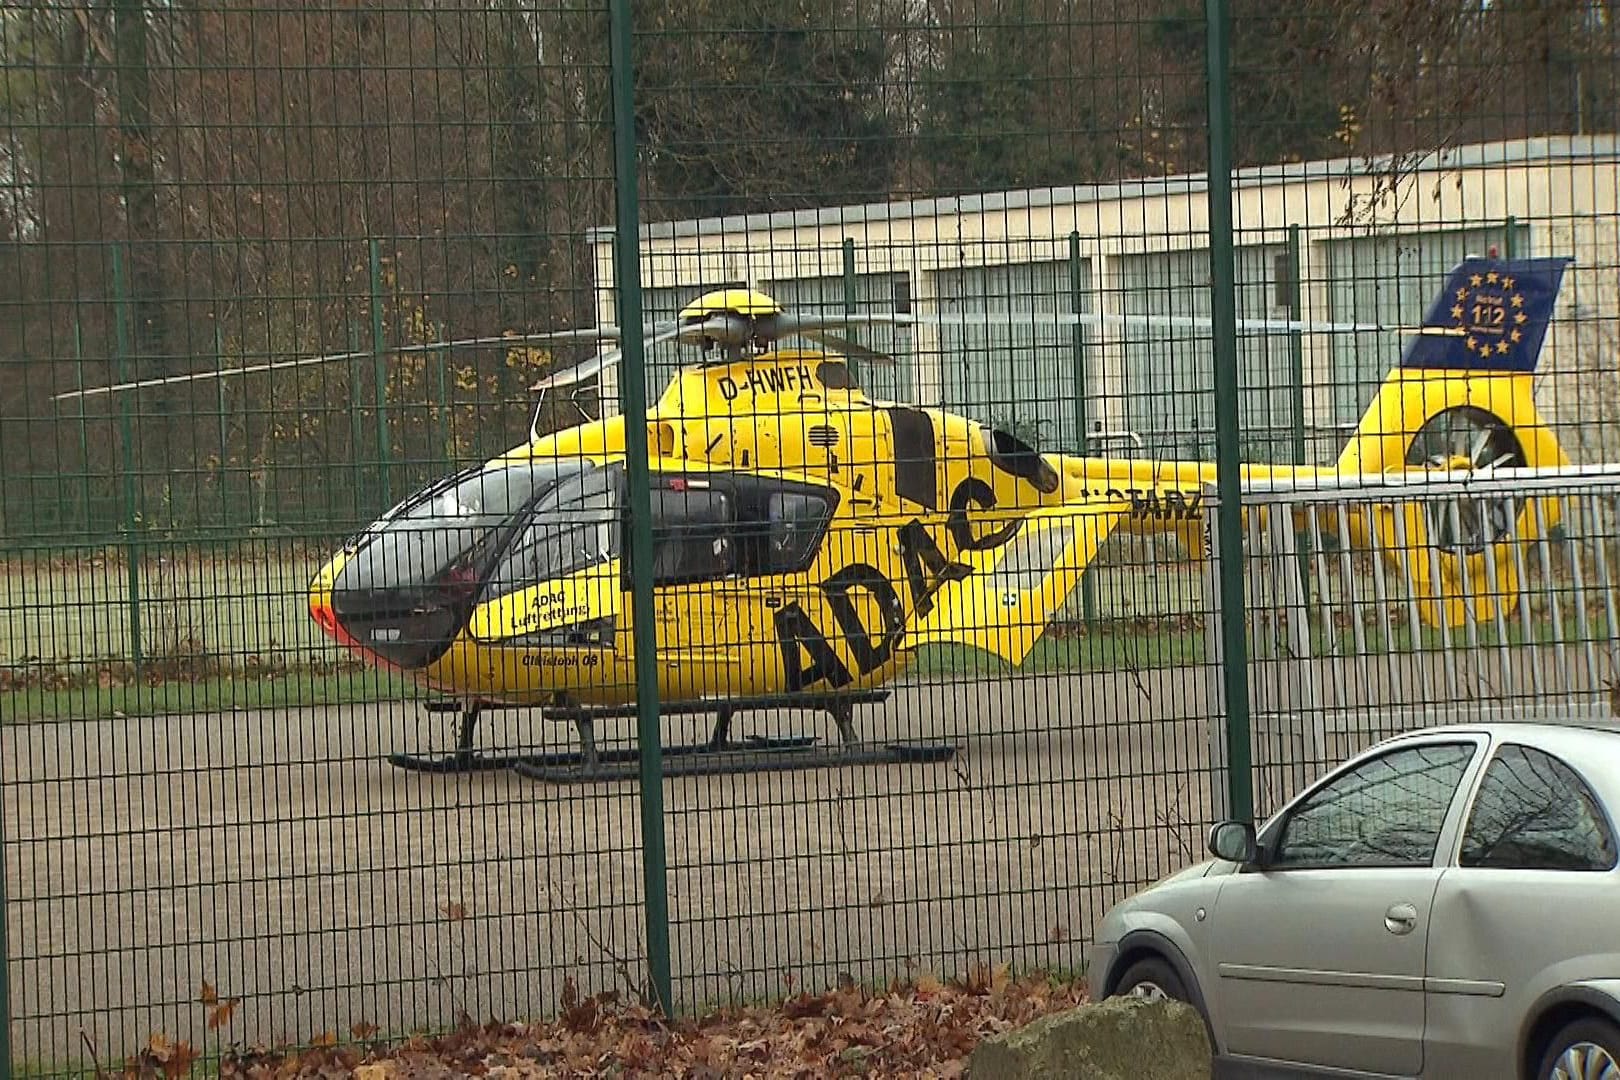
{"x":1446,"y":904}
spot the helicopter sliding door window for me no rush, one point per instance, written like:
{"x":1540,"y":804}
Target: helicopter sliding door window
{"x":780,"y":524}
{"x":721,"y":526}
{"x":797,"y":520}
{"x":693,"y":532}
{"x":570,"y":528}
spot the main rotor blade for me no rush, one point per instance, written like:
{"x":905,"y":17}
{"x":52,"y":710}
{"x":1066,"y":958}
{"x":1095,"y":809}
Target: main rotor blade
{"x":798,"y":324}
{"x":608,"y":333}
{"x":849,"y":348}
{"x":598,"y":363}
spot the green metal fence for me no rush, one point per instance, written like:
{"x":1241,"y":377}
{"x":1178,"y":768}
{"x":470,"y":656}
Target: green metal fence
{"x":1118,"y":234}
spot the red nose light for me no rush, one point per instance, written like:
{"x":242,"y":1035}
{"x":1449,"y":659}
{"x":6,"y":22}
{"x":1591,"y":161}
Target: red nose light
{"x":320,"y":608}
{"x":324,"y":618}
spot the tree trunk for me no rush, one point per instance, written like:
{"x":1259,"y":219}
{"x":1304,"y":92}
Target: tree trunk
{"x":520,"y":187}
{"x":134,"y":150}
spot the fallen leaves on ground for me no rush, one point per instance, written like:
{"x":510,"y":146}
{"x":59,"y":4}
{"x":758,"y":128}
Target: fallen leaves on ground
{"x":926,"y":1028}
{"x":219,"y":1012}
{"x":162,"y":1056}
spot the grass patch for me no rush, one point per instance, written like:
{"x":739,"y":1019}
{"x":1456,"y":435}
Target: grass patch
{"x":1067,"y":648}
{"x":1070,"y":653}
{"x":213,"y":694}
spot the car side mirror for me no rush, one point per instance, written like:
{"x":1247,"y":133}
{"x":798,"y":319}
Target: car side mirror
{"x":1234,"y":841}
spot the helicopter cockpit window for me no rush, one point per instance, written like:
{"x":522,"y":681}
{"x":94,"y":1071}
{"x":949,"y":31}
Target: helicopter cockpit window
{"x":453,"y":522}
{"x":415,"y":574}
{"x":692,"y":534}
{"x":571,"y":528}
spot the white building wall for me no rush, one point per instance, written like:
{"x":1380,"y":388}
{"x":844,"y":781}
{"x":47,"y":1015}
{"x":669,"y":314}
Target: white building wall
{"x":1563,"y":189}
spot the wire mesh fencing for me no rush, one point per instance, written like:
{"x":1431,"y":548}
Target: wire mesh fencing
{"x":505,"y":501}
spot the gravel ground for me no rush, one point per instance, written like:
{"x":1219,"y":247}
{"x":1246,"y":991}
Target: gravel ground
{"x":278,"y":857}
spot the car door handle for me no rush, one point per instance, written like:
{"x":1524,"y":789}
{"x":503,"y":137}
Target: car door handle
{"x":1400,"y":919}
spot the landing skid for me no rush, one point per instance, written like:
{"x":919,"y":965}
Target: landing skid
{"x":719,"y":754}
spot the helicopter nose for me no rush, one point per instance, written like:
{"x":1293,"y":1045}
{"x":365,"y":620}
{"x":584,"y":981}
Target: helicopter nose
{"x":385,"y":601}
{"x":324,"y":611}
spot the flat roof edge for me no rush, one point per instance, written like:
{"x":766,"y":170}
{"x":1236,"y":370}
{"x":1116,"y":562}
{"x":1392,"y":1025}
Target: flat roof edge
{"x":1541,"y":150}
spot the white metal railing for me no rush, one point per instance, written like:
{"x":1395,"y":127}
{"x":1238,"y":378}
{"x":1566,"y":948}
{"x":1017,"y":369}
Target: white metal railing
{"x":1349,"y":583}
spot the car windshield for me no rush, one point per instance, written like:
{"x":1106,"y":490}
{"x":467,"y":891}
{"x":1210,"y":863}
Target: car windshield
{"x":572,"y":527}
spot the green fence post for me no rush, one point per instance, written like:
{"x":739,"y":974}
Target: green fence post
{"x":5,"y":969}
{"x":126,"y":432}
{"x":1229,"y":521}
{"x":446,"y":453}
{"x":221,"y":473}
{"x":1296,"y":375}
{"x":633,"y":404}
{"x":381,"y":373}
{"x":61,"y":496}
{"x":84,"y":420}
{"x":1088,"y":585}
{"x":1296,"y":346}
{"x":5,"y":950}
{"x":357,"y":478}
{"x":5,"y":940}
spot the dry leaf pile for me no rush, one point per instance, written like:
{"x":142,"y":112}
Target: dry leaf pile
{"x":921,"y":1029}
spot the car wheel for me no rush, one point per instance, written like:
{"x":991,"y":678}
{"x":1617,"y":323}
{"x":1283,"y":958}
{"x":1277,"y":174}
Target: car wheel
{"x":1584,"y":1050}
{"x":1154,"y":979}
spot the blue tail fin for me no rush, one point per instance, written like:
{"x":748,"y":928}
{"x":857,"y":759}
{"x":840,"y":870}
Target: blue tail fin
{"x":1491,"y":316}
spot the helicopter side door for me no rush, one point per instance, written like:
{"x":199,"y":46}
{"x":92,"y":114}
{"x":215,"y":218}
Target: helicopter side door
{"x":729,"y":552}
{"x":552,"y":585}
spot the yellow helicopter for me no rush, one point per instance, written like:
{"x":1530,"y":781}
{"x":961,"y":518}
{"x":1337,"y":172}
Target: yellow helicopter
{"x":808,"y":539}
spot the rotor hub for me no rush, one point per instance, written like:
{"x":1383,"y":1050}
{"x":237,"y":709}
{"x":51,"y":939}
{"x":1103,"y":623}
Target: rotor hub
{"x":728,"y":330}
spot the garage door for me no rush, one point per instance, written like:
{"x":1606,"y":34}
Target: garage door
{"x":1391,"y":280}
{"x":1023,"y":377}
{"x":1170,"y":372}
{"x":874,"y":294}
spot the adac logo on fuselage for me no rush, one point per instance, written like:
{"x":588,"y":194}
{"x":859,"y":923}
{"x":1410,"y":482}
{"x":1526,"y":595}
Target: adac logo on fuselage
{"x":927,"y":570}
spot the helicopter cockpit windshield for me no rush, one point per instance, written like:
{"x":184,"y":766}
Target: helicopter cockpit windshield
{"x":415,"y":575}
{"x":572,"y":527}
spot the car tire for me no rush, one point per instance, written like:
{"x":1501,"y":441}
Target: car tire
{"x":1588,"y":1048}
{"x":1153,"y":978}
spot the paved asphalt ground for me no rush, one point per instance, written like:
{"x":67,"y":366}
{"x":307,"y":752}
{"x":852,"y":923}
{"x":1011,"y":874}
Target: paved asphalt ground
{"x":278,"y":857}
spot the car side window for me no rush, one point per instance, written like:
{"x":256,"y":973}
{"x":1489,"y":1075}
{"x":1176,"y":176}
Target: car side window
{"x":1534,"y":813}
{"x":1386,"y":812}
